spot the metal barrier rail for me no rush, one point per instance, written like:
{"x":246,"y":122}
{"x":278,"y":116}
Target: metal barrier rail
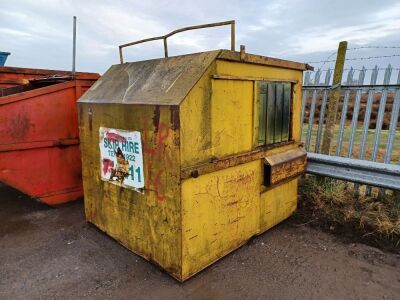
{"x":164,"y":37}
{"x":355,"y":170}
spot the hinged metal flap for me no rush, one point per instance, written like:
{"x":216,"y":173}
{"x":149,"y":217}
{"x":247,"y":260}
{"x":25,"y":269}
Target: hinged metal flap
{"x":285,"y":157}
{"x":282,"y":166}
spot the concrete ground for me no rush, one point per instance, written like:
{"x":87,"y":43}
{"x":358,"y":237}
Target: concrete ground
{"x":48,"y":253}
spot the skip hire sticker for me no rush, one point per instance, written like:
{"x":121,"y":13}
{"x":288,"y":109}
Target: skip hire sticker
{"x":121,"y":157}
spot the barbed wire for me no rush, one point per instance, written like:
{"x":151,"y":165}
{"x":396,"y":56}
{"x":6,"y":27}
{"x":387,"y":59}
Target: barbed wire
{"x":355,"y":58}
{"x":328,"y":60}
{"x":323,"y":61}
{"x":374,"y":47}
{"x":372,"y":57}
{"x":354,"y":69}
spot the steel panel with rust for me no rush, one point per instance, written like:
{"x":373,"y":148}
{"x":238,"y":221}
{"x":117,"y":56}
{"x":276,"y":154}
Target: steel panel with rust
{"x":39,"y":139}
{"x":204,"y":194}
{"x":148,"y":224}
{"x":220,"y":212}
{"x":13,"y":76}
{"x":285,"y":165}
{"x":163,"y":81}
{"x":277,"y":204}
{"x":219,"y":150}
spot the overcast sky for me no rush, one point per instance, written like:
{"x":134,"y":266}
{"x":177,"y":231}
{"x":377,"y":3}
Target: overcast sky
{"x":38,"y":33}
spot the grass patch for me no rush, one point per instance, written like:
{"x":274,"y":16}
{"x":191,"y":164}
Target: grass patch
{"x":335,"y":206}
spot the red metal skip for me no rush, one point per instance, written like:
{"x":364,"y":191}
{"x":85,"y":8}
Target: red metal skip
{"x":39,"y":142}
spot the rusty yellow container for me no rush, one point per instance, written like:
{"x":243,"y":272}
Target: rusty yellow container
{"x":186,"y":158}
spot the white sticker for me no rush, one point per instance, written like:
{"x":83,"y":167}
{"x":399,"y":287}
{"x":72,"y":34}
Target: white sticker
{"x":121,"y":157}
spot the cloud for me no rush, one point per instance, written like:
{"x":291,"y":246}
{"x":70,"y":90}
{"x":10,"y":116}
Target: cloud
{"x":382,"y":24}
{"x":39,"y":33}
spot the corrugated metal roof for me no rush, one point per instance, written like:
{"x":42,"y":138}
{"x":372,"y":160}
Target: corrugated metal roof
{"x":164,"y":81}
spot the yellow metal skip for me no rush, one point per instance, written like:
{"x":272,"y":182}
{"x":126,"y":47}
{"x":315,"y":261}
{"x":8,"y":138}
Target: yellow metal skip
{"x":204,"y":193}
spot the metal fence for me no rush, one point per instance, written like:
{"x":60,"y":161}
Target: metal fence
{"x":367,"y":128}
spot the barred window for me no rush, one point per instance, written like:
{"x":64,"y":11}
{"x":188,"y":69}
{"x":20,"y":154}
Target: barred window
{"x":275,"y":111}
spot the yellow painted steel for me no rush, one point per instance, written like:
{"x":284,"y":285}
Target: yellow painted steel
{"x":220,"y":211}
{"x":277,"y":204}
{"x":195,"y":122}
{"x":148,"y":224}
{"x":185,"y":224}
{"x":231,"y":117}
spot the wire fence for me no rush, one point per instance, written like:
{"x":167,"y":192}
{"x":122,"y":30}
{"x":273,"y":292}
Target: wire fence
{"x":368,"y":113}
{"x":328,"y":59}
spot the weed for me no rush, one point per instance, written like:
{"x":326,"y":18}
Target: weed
{"x":336,"y":206}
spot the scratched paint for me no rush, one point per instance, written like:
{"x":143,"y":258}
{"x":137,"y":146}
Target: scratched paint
{"x":221,"y":209}
{"x":155,"y":155}
{"x":147,"y":223}
{"x":277,"y":204}
{"x":19,"y":125}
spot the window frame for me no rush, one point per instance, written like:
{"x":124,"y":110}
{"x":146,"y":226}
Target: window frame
{"x":266,"y":96}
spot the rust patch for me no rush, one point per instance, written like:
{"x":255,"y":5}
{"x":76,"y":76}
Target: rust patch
{"x":242,"y":179}
{"x":90,"y":118}
{"x":194,"y":174}
{"x":282,"y":166}
{"x":175,"y":118}
{"x":215,"y":164}
{"x":234,"y":221}
{"x":156,"y":118}
{"x":177,"y":140}
{"x":20,"y":125}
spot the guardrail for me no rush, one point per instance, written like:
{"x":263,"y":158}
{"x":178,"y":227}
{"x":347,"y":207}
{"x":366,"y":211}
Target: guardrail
{"x":355,"y":170}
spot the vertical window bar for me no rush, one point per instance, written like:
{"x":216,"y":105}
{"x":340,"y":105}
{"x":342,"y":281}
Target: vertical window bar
{"x":263,"y":113}
{"x":287,"y":95}
{"x":278,"y":112}
{"x":270,"y":114}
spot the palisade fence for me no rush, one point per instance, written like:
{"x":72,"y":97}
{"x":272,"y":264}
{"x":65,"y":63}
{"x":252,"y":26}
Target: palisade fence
{"x":365,"y":147}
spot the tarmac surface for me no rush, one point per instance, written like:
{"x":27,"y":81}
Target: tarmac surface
{"x":52,"y":253}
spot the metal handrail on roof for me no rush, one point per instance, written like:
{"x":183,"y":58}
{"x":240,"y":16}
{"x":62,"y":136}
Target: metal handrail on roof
{"x":164,"y":37}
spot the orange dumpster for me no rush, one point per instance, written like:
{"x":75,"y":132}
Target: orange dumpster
{"x":39,"y":141}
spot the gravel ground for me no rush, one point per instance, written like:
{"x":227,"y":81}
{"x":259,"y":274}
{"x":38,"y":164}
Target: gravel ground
{"x":52,"y":253}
